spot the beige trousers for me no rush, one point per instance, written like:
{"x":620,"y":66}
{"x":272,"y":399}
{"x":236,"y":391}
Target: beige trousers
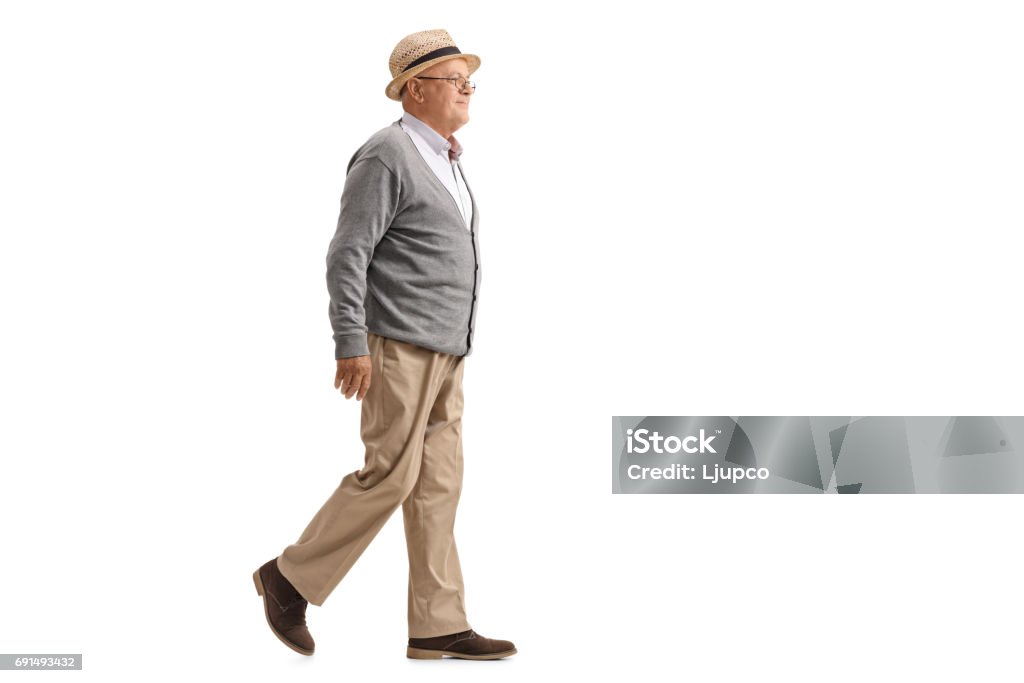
{"x":412,"y":430}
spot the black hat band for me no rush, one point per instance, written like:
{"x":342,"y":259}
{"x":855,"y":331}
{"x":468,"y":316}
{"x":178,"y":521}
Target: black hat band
{"x":433,"y":54}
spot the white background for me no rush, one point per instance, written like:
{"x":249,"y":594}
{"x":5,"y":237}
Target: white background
{"x":735,"y":208}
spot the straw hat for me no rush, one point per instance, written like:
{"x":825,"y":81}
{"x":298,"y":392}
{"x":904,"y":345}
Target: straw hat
{"x":420,"y":51}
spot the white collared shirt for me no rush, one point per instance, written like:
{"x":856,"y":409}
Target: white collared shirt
{"x":434,"y":150}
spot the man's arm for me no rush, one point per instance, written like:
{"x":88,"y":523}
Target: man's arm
{"x":369,"y":203}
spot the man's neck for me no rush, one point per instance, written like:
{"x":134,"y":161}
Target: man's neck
{"x":437,"y":128}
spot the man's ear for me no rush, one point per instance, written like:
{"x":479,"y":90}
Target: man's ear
{"x":415,"y":89}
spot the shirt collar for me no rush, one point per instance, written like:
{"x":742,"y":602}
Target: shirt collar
{"x":437,"y":143}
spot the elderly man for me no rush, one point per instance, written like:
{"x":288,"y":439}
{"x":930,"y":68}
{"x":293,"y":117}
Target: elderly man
{"x":403,"y":272}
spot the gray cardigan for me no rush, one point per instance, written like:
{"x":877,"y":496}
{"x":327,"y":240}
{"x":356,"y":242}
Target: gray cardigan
{"x":401,"y":264}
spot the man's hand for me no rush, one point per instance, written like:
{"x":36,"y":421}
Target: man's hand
{"x":353,"y":375}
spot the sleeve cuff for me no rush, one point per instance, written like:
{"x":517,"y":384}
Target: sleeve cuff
{"x":350,"y":345}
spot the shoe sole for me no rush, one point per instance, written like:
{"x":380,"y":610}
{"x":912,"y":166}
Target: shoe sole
{"x":419,"y":653}
{"x":266,"y":612}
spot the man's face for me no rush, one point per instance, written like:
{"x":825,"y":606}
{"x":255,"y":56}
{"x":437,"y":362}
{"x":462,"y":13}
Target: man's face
{"x":444,"y":101}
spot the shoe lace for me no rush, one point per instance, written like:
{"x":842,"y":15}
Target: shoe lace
{"x":295,"y":617}
{"x":297,"y":601}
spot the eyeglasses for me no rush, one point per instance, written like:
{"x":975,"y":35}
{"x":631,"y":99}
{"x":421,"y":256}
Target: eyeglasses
{"x":460,"y":82}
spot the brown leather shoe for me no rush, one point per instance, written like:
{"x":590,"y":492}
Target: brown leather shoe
{"x":464,"y":645}
{"x":285,"y":608}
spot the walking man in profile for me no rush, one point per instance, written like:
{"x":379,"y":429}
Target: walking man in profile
{"x":403,"y":272}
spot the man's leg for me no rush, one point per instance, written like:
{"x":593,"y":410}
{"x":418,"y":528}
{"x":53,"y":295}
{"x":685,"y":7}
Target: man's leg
{"x":436,"y":592}
{"x":404,"y":384}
